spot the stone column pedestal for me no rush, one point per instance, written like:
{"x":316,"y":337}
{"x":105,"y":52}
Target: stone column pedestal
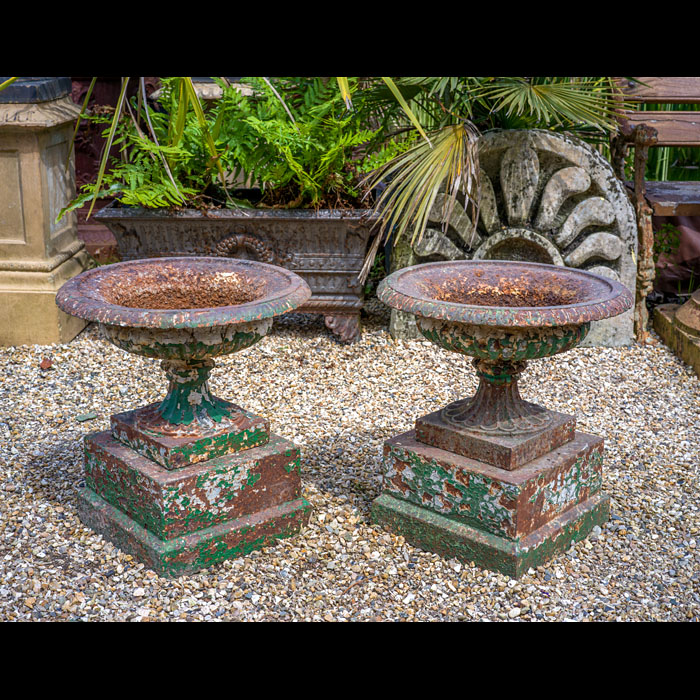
{"x":37,"y":252}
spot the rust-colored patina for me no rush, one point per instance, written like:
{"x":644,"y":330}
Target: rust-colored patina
{"x":493,"y":478}
{"x":186,"y":292}
{"x":502,"y":313}
{"x":194,"y":479}
{"x":184,"y":311}
{"x":504,"y":293}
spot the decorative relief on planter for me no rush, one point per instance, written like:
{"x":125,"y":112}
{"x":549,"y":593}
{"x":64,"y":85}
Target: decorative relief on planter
{"x":232,"y":245}
{"x":326,"y":248}
{"x":546,"y":198}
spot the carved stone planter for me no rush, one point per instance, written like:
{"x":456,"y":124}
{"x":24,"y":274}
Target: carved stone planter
{"x":326,"y":247}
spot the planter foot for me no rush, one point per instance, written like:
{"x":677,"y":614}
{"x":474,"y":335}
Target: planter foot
{"x":345,"y":327}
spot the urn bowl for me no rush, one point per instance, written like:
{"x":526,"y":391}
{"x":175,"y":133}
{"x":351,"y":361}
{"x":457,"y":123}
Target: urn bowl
{"x":502,"y":313}
{"x":184,"y":311}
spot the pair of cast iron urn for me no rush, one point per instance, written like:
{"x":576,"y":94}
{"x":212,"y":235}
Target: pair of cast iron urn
{"x":193,"y":480}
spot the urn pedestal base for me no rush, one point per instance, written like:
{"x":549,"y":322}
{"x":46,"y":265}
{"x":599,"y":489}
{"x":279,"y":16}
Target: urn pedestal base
{"x":175,"y":447}
{"x":178,"y":521}
{"x":506,"y":520}
{"x":507,"y":451}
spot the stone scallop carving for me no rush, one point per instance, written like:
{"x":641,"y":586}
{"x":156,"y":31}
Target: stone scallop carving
{"x":547,"y":198}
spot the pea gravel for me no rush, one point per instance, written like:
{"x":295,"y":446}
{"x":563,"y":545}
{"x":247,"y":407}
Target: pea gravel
{"x":339,"y":403}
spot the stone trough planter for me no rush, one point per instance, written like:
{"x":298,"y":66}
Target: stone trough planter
{"x":325,"y":247}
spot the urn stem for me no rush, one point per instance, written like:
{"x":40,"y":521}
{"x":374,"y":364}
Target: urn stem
{"x":189,"y":399}
{"x":497,"y":406}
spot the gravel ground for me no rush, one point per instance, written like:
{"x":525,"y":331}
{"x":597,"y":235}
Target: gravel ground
{"x":339,"y":403}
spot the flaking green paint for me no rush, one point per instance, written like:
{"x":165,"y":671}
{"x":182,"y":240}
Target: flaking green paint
{"x":253,"y":477}
{"x":567,"y":487}
{"x":511,"y":345}
{"x":190,"y":553}
{"x":125,"y":489}
{"x":196,"y":502}
{"x":479,"y":502}
{"x":294,"y":464}
{"x":449,"y":538}
{"x":197,"y":450}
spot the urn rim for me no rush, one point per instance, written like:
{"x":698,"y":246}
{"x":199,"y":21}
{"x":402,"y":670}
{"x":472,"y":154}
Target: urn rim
{"x":83,"y":296}
{"x":601,"y":297}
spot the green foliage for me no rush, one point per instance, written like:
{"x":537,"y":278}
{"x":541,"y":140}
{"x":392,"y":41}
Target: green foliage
{"x":666,"y":240}
{"x":455,"y":110}
{"x":294,"y":138}
{"x":672,"y":163}
{"x":376,"y":274}
{"x":583,"y":106}
{"x":297,"y":139}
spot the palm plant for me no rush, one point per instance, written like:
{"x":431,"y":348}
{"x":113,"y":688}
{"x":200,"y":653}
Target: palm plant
{"x":184,"y":98}
{"x":454,"y":111}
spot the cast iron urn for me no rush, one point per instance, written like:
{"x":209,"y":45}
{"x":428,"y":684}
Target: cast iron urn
{"x":493,"y":478}
{"x":193,"y":479}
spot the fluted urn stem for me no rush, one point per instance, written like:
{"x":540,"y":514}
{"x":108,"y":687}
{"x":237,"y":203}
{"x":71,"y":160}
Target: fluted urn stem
{"x":497,"y":406}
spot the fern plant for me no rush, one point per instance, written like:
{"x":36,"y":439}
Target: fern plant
{"x":294,"y":138}
{"x":297,"y":140}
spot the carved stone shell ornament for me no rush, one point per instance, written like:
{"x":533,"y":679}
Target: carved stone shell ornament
{"x":548,"y":198}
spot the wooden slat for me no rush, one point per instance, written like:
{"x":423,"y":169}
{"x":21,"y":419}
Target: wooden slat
{"x":662,"y":90}
{"x":674,"y":198}
{"x":674,"y":128}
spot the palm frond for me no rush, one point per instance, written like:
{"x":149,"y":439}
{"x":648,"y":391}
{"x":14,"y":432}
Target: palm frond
{"x":108,"y":144}
{"x":415,"y":178}
{"x":553,"y":101}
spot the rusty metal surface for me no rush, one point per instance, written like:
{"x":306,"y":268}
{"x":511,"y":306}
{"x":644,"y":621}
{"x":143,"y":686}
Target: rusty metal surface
{"x":173,"y":446}
{"x":504,"y":293}
{"x":180,"y":521}
{"x":171,"y":503}
{"x":187,"y":292}
{"x":510,"y":504}
{"x":325,"y":247}
{"x":507,"y":450}
{"x":185,"y":311}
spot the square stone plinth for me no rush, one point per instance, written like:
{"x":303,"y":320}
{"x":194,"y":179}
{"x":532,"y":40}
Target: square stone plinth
{"x":684,"y":345}
{"x":175,"y":451}
{"x":504,"y":451}
{"x":179,"y":521}
{"x":502,"y":520}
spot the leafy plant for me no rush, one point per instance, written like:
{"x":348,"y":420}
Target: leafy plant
{"x":456,"y":109}
{"x":293,"y":137}
{"x":666,"y":240}
{"x":296,"y":139}
{"x":133,"y":128}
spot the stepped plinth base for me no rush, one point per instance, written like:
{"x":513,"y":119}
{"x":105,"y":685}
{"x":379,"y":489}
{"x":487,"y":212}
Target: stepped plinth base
{"x":178,"y":521}
{"x":178,"y":446}
{"x":683,"y":343}
{"x":190,"y":553}
{"x":433,"y":532}
{"x":504,"y":520}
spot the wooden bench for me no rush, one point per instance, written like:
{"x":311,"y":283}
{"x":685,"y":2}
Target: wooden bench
{"x":642,"y":130}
